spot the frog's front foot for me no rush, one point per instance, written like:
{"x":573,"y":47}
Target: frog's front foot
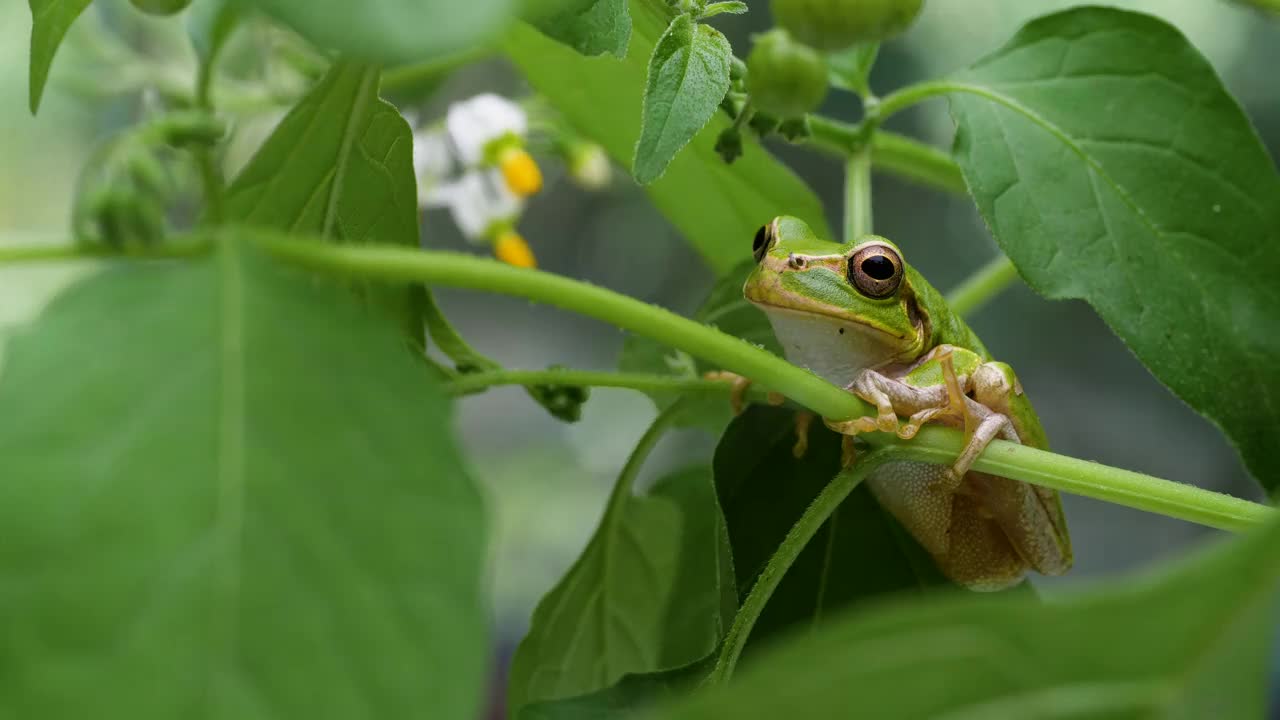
{"x":879,"y":390}
{"x":738,"y":390}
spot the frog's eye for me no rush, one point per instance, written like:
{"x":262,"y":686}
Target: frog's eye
{"x":762,"y":243}
{"x":875,"y":270}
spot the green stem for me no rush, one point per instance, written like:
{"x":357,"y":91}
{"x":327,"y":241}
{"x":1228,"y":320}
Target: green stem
{"x":446,"y":338}
{"x":890,"y":152}
{"x":785,"y":556}
{"x":644,"y":382}
{"x":933,"y":444}
{"x":904,"y":98}
{"x":832,"y":136}
{"x":1089,"y":479}
{"x":979,"y":287}
{"x":644,"y":447}
{"x":913,"y":160}
{"x":468,"y":271}
{"x":857,"y":195}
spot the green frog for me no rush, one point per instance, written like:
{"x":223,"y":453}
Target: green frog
{"x":859,"y":316}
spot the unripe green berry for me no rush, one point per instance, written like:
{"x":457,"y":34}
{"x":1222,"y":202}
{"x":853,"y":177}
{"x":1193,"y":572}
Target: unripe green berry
{"x":831,"y":25}
{"x":785,"y":78}
{"x":161,"y":7}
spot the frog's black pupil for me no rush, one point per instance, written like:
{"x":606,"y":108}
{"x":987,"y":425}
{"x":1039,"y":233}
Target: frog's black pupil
{"x":878,"y":267}
{"x":759,"y":241}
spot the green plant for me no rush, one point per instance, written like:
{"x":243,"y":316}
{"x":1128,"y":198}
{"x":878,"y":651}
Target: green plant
{"x":248,"y":502}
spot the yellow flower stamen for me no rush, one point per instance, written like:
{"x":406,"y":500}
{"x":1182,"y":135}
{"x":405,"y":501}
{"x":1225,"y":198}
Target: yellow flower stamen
{"x":520,"y":171}
{"x":511,"y":249}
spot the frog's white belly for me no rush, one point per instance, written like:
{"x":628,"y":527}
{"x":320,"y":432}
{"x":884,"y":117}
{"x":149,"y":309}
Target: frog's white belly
{"x":835,"y":351}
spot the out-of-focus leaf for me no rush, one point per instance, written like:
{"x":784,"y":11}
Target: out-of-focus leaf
{"x":652,"y":591}
{"x":392,"y":32}
{"x":859,"y":554}
{"x":1191,"y":642}
{"x":717,"y":207}
{"x":50,"y":20}
{"x":339,"y":166}
{"x":1112,"y":165}
{"x":688,"y":77}
{"x":633,"y":692}
{"x":210,"y":23}
{"x":602,"y":27}
{"x":243,"y":503}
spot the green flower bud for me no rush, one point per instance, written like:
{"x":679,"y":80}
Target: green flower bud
{"x":831,"y":25}
{"x":784,"y":77}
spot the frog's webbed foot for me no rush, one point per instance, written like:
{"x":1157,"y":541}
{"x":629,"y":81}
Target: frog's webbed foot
{"x":738,"y":391}
{"x":804,"y":420}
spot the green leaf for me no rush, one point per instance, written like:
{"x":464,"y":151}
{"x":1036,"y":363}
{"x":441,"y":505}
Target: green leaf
{"x":339,"y":166}
{"x":50,"y":20}
{"x":850,"y":69}
{"x":392,"y":32}
{"x":725,"y":309}
{"x":688,"y":77}
{"x":602,"y":27}
{"x":246,"y":504}
{"x":717,"y":207}
{"x":209,"y":25}
{"x":653,"y":590}
{"x":1192,"y":642}
{"x":859,"y":554}
{"x":734,"y":7}
{"x":1111,"y":165}
{"x":633,"y":692}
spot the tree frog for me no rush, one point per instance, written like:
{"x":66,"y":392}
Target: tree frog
{"x":859,"y":316}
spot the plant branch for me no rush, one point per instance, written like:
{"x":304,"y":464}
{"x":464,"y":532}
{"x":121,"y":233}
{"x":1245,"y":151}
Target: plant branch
{"x":818,"y":512}
{"x":933,"y":444}
{"x":890,"y":152}
{"x":904,"y":98}
{"x":644,"y":382}
{"x":916,"y":161}
{"x":979,"y":287}
{"x":857,"y":195}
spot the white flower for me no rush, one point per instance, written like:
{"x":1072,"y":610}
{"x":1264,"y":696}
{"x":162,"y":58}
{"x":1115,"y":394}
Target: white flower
{"x":479,"y":201}
{"x":474,"y":125}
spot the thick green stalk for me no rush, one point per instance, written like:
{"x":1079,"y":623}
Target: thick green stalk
{"x":915,"y":161}
{"x":934,"y":444}
{"x":857,"y":195}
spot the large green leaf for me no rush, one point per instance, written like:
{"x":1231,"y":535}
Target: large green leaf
{"x":229,"y":492}
{"x":50,"y":20}
{"x":1189,"y":643}
{"x":392,"y":31}
{"x":688,"y":77}
{"x":1111,"y":165}
{"x":717,"y":207}
{"x":653,"y":590}
{"x":338,"y":166}
{"x":860,"y":553}
{"x":725,"y":309}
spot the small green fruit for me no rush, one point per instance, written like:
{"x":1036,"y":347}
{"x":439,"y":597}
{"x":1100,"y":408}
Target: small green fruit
{"x":784,"y":77}
{"x":831,"y":25}
{"x":161,"y":7}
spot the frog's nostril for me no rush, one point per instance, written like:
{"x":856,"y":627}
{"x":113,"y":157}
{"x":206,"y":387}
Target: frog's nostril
{"x":797,"y":262}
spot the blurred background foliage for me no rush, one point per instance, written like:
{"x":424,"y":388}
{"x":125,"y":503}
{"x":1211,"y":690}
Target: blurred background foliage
{"x":547,"y":480}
